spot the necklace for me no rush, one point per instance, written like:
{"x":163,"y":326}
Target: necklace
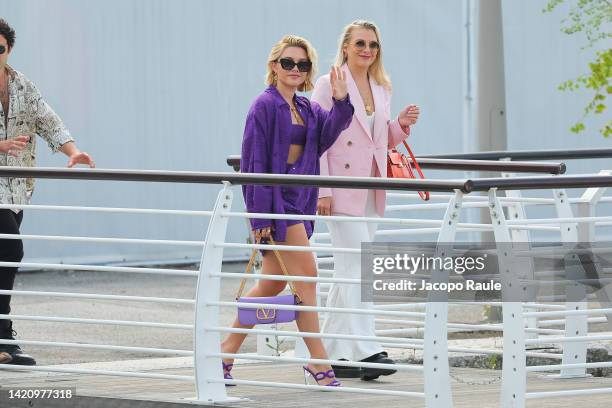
{"x":368,"y":103}
{"x":295,"y":114}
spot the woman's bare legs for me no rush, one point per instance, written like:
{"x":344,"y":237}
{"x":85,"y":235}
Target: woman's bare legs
{"x":298,"y":263}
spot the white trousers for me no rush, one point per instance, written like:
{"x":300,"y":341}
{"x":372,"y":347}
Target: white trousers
{"x":348,"y":266}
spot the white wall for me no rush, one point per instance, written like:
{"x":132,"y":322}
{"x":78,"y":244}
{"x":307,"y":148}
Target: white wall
{"x":166,"y":84}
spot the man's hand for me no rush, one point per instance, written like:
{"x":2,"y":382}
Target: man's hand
{"x":13,"y":146}
{"x":75,"y":156}
{"x":81,"y":158}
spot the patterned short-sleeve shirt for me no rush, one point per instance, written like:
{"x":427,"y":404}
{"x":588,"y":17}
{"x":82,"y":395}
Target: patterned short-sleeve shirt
{"x":28,"y":114}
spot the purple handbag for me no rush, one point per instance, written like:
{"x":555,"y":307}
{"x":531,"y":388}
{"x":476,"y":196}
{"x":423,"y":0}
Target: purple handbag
{"x":263,"y":315}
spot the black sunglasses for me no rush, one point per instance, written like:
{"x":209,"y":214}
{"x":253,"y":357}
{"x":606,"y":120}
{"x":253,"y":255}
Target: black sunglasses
{"x":288,"y":64}
{"x":2,"y":49}
{"x":361,"y":44}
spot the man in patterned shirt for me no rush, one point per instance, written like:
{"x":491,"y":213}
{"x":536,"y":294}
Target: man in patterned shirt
{"x":24,"y":114}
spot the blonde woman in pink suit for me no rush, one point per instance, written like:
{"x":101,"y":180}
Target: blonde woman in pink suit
{"x":359,"y":151}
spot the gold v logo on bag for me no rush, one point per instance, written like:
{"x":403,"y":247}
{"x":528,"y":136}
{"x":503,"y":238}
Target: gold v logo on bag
{"x":263,"y":314}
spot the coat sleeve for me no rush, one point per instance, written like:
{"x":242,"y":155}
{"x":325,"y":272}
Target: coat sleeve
{"x":255,"y":158}
{"x":333,"y":121}
{"x":322,"y":96}
{"x":48,"y":124}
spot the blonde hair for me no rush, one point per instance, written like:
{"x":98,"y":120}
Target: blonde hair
{"x":277,"y":51}
{"x":376,"y":70}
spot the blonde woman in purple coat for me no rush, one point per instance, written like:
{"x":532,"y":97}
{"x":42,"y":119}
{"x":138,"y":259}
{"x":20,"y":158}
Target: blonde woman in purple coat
{"x":286,"y":134}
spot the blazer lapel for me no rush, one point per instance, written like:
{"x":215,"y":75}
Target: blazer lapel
{"x":378,"y":92}
{"x":356,"y":101}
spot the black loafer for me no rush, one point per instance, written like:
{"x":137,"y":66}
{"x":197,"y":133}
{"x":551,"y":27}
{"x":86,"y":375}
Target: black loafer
{"x":12,"y":354}
{"x":369,"y":374}
{"x":346,"y":371}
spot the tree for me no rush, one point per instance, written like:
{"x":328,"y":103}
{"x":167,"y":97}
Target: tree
{"x":588,"y":17}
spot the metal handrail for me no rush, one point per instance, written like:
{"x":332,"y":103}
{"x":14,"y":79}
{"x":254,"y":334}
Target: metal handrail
{"x":464,"y":185}
{"x":466,"y":165}
{"x":236,"y":178}
{"x":554,"y":154}
{"x":492,"y":165}
{"x":539,"y":182}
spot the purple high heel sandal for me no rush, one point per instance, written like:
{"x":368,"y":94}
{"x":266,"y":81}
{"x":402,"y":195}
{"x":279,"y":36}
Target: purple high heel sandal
{"x":226,"y":373}
{"x":320,"y":376}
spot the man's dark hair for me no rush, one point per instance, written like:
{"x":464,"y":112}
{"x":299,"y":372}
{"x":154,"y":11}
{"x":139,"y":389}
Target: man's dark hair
{"x":7,"y":32}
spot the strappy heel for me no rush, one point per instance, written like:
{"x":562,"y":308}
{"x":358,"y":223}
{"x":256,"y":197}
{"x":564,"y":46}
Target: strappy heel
{"x":321,"y":375}
{"x":226,"y":373}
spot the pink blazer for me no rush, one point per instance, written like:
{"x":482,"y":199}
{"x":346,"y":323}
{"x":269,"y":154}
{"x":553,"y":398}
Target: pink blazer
{"x":353,"y":151}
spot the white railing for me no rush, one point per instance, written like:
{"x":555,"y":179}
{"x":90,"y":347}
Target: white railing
{"x":98,"y":296}
{"x":208,"y":378}
{"x":419,"y":326}
{"x":435,"y":370}
{"x":574,"y":338}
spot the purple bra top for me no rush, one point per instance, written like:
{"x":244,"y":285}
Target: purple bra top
{"x":298,"y":134}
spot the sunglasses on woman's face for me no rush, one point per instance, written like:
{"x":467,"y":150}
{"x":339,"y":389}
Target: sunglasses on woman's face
{"x":2,"y":49}
{"x":288,"y":64}
{"x":361,"y":44}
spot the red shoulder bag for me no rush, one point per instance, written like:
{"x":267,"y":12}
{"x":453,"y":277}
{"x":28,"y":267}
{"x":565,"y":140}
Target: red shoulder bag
{"x":399,"y":166}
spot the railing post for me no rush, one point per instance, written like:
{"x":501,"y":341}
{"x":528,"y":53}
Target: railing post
{"x":209,"y":289}
{"x":574,"y":352}
{"x":438,"y":392}
{"x":516,"y":211}
{"x":587,"y":207}
{"x":514,"y":375}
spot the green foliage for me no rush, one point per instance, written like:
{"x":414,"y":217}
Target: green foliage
{"x":586,"y":16}
{"x":277,"y":345}
{"x":590,"y":17}
{"x":493,"y":362}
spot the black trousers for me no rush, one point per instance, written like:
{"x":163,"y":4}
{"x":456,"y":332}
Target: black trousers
{"x":11,"y":250}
